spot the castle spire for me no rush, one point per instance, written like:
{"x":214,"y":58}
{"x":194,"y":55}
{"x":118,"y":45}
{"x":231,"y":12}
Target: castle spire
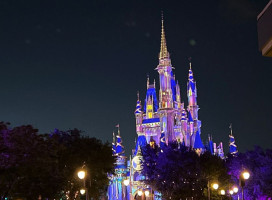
{"x":232,"y":146}
{"x":163,"y":52}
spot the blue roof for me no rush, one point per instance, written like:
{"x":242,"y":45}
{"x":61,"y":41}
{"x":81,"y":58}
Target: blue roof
{"x":152,"y":120}
{"x":191,"y":85}
{"x":151,"y":92}
{"x":211,"y":146}
{"x":140,"y":141}
{"x":198,"y":143}
{"x":190,"y":117}
{"x":119,"y":146}
{"x":173,"y":86}
{"x":232,"y":145}
{"x":138,"y":107}
{"x":162,"y":141}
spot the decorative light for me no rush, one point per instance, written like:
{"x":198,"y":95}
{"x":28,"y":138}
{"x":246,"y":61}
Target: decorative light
{"x":126,"y":182}
{"x":235,"y":189}
{"x":140,"y":193}
{"x":215,"y":186}
{"x":81,"y":174}
{"x":222,"y":192}
{"x":147,"y":193}
{"x":246,"y":175}
{"x":82,"y":191}
{"x":231,"y":192}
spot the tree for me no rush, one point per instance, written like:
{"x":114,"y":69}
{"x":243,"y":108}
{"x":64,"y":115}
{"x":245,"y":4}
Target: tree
{"x":33,"y":164}
{"x":178,"y":172}
{"x":259,"y":163}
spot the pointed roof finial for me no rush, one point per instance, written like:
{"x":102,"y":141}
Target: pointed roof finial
{"x":163,"y":52}
{"x":230,"y":128}
{"x":147,"y":81}
{"x":113,"y":137}
{"x":138,"y":96}
{"x":190,"y":62}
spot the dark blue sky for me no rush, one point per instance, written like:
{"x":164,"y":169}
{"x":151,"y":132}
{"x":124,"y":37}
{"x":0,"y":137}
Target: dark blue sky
{"x":79,"y":64}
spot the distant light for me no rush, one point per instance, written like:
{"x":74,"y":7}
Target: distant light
{"x":222,"y":192}
{"x":140,"y":192}
{"x":231,"y":192}
{"x":81,"y":174}
{"x":126,"y":182}
{"x":246,"y":175}
{"x":235,"y":189}
{"x":82,"y":191}
{"x":215,"y":186}
{"x":147,"y":193}
{"x":192,"y":42}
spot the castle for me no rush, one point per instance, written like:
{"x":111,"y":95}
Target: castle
{"x":160,"y":121}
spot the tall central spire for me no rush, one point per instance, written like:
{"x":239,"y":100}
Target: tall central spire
{"x":163,"y":53}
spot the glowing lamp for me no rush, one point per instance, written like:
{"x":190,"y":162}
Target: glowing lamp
{"x":82,"y":191}
{"x":222,"y":192}
{"x":126,"y":182}
{"x":147,"y":193}
{"x":246,"y":175}
{"x":140,"y":193}
{"x":215,"y":186}
{"x":235,"y":189}
{"x":231,"y":192}
{"x":81,"y":174}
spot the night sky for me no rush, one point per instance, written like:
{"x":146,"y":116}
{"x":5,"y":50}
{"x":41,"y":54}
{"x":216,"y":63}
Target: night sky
{"x":79,"y":64}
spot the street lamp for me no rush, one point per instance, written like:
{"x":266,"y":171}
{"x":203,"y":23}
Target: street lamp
{"x":222,"y":192}
{"x":235,"y":189}
{"x":215,"y":186}
{"x":243,"y":177}
{"x":126,"y":182}
{"x":246,"y":175}
{"x":82,"y":175}
{"x":140,"y":193}
{"x":82,"y":191}
{"x":147,"y":193}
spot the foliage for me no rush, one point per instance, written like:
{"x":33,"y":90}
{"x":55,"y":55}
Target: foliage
{"x":32,"y":164}
{"x":259,"y":163}
{"x":179,"y":172}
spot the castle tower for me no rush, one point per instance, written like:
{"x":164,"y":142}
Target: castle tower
{"x":167,"y":90}
{"x":116,"y":188}
{"x":165,"y":72}
{"x":195,"y":124}
{"x":232,"y":146}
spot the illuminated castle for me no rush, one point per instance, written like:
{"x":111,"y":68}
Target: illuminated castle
{"x":160,"y":121}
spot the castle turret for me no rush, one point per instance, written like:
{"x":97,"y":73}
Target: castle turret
{"x":165,"y":71}
{"x":192,"y":95}
{"x":120,"y":151}
{"x":138,"y":115}
{"x":232,"y":146}
{"x":113,"y":144}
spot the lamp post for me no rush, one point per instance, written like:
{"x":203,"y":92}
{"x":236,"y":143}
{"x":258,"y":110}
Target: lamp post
{"x":82,"y":175}
{"x":215,"y":186}
{"x":127,"y":183}
{"x":243,"y":177}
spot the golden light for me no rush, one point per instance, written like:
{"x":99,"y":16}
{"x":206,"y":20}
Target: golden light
{"x":246,"y":175}
{"x":222,"y":192}
{"x":231,"y":192}
{"x":235,"y":189}
{"x":215,"y":186}
{"x":82,"y":191}
{"x":126,"y":182}
{"x":147,"y":193}
{"x":81,"y":174}
{"x":140,"y":193}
